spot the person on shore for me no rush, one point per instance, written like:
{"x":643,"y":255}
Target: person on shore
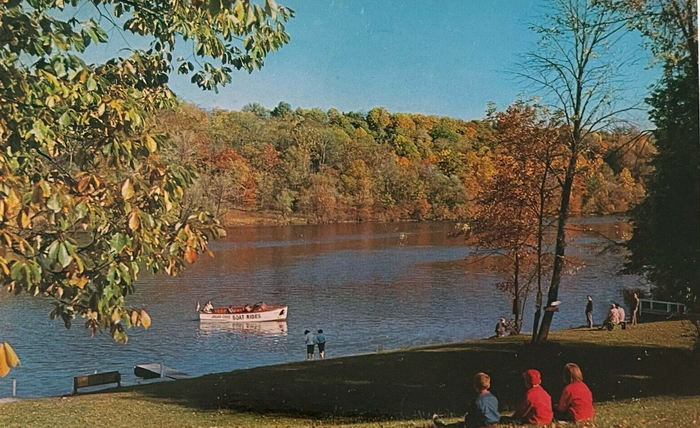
{"x":321,"y":342}
{"x":310,"y":340}
{"x":612,"y":320}
{"x":621,"y":316}
{"x":637,"y":305}
{"x":589,"y":312}
{"x":482,"y":411}
{"x":536,"y":407}
{"x":501,"y":327}
{"x":576,"y":401}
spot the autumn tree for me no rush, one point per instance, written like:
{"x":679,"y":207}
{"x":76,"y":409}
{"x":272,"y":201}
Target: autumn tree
{"x":572,"y":67}
{"x":86,"y":200}
{"x":516,"y":201}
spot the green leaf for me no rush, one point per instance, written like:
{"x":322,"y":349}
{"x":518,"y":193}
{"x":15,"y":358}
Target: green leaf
{"x":64,"y":257}
{"x":91,"y":84}
{"x":66,"y":119}
{"x":118,"y":242}
{"x":54,"y":204}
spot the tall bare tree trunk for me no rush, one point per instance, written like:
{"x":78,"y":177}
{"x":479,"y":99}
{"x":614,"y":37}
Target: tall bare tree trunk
{"x":560,"y":247}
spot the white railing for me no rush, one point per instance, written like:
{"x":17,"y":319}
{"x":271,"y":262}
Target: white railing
{"x":661,"y":307}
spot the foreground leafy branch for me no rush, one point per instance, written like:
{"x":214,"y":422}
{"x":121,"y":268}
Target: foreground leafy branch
{"x":86,"y":201}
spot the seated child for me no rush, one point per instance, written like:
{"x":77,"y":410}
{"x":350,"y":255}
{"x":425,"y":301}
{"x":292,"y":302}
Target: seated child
{"x":576,"y":401}
{"x":536,"y":407}
{"x":483,"y":409}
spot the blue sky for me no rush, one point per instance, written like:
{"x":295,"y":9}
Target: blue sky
{"x":447,"y":57}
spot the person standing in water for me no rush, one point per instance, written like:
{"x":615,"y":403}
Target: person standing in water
{"x":310,"y":340}
{"x":321,"y":342}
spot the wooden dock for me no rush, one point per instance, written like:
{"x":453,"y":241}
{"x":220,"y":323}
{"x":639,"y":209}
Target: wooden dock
{"x":158,"y":370}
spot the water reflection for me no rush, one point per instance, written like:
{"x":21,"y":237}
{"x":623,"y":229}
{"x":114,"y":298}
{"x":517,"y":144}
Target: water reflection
{"x":368,"y":286}
{"x":269,"y":328}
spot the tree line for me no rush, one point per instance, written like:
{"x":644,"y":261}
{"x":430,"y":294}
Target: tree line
{"x":331,"y":166}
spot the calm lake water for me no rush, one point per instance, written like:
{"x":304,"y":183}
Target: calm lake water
{"x":369,"y":286}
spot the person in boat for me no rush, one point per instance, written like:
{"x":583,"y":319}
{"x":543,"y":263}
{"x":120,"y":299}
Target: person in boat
{"x":260,"y":306}
{"x":321,"y":342}
{"x":248,"y":308}
{"x":208,"y":307}
{"x":310,"y":340}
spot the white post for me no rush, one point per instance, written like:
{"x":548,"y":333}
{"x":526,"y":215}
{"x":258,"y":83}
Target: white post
{"x":162,"y":370}
{"x":14,"y":387}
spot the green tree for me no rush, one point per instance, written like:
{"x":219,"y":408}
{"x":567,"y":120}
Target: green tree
{"x":665,"y":246}
{"x":282,"y":110}
{"x":86,"y":200}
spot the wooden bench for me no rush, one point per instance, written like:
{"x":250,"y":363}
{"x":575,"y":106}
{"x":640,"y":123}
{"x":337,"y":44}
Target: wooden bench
{"x":96,"y":379}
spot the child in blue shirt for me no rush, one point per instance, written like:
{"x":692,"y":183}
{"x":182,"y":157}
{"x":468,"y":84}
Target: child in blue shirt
{"x":483,"y":410}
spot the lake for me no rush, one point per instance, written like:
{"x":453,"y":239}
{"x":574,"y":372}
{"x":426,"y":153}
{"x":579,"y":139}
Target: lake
{"x":370,"y":287}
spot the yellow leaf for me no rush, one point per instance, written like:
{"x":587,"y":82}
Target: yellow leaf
{"x":134,"y":221}
{"x":4,"y":367}
{"x":24,"y":219}
{"x":151,"y":144}
{"x":190,"y":255}
{"x":79,"y":281}
{"x":145,"y":319}
{"x":116,"y":317}
{"x":12,"y":360}
{"x":134,"y":317}
{"x":127,"y":189}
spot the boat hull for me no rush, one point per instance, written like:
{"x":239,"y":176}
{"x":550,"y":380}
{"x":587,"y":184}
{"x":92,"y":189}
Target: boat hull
{"x":278,"y":313}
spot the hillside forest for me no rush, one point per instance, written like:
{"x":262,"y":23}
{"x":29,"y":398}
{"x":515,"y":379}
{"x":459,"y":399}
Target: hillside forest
{"x":316,"y":166}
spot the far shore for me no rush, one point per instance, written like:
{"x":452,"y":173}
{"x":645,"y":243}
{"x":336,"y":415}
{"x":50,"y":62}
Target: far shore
{"x":240,"y":218}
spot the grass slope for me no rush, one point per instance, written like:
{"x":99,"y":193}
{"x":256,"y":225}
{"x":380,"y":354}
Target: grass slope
{"x":644,"y":376}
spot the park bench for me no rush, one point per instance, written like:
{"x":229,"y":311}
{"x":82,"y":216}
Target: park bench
{"x":96,"y":379}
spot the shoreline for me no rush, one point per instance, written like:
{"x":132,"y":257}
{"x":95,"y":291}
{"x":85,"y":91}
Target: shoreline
{"x":236,"y":217}
{"x":403,"y":387}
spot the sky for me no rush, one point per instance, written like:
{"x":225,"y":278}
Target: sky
{"x":447,"y":57}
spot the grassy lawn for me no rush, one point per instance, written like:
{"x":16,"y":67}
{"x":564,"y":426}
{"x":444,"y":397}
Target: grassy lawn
{"x":643,"y":376}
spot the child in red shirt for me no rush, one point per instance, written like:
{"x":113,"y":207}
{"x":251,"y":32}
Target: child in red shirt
{"x":536,"y":407}
{"x":576,"y":401}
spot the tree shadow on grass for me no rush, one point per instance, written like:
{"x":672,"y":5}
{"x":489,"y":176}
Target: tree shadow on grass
{"x":417,"y":383}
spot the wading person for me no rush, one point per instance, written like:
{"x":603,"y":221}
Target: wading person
{"x":589,"y":312}
{"x":321,"y":342}
{"x":576,"y":401}
{"x":310,"y":340}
